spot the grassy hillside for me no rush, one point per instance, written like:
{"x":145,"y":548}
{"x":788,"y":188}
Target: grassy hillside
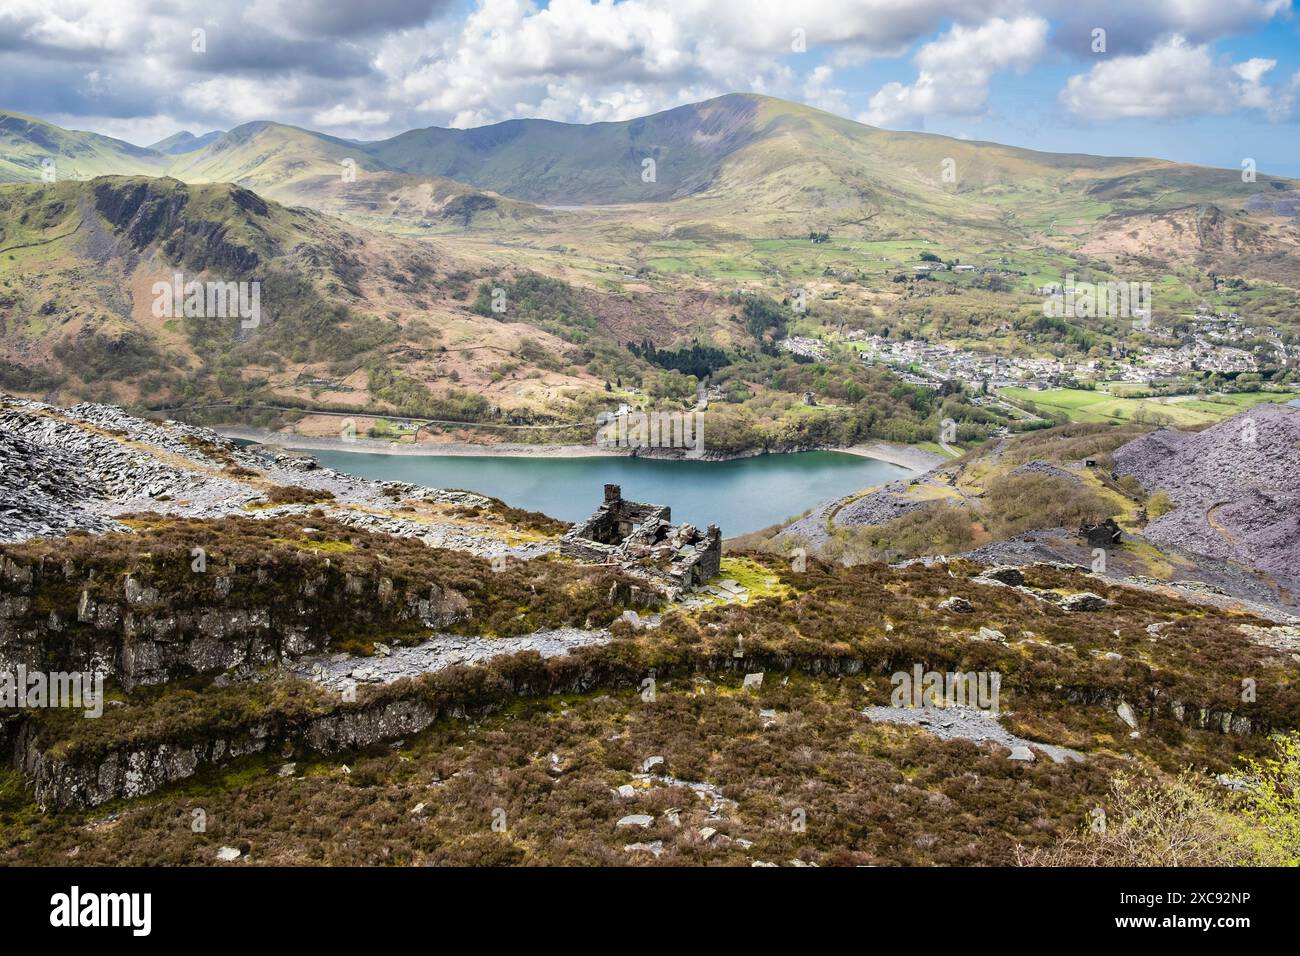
{"x":258,"y":155}
{"x":737,"y":166}
{"x":1082,"y":405}
{"x":408,"y":204}
{"x":26,"y":142}
{"x":290,"y":165}
{"x":78,"y":264}
{"x":763,"y":154}
{"x":298,"y":167}
{"x":736,"y":152}
{"x":565,"y":163}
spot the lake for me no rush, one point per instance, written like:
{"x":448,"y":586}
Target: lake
{"x":738,"y":496}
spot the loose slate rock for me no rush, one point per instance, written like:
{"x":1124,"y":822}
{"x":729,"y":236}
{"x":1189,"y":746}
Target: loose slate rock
{"x":655,"y":848}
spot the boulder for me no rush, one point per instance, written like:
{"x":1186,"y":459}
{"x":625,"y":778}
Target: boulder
{"x":1126,"y":714}
{"x":1007,"y":574}
{"x":1086,"y":601}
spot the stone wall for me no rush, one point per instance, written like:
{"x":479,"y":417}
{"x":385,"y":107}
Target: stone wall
{"x":64,"y":780}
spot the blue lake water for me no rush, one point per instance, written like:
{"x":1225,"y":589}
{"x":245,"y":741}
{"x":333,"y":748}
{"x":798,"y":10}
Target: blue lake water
{"x":739,"y":496}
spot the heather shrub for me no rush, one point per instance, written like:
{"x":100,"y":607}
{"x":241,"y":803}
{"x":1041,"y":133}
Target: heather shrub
{"x":1159,"y":504}
{"x":1015,"y":504}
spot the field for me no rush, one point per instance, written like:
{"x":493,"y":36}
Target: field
{"x":1082,"y":405}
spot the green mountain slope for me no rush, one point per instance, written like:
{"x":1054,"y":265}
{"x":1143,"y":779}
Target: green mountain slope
{"x":544,"y":161}
{"x":79,"y":302}
{"x":184,"y":142}
{"x":284,"y":163}
{"x":762,"y":149}
{"x":270,"y":156}
{"x":350,"y":318}
{"x":25,"y":143}
{"x":737,"y":158}
{"x":406,"y":203}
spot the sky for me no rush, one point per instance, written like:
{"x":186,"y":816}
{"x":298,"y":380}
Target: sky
{"x":1212,"y":82}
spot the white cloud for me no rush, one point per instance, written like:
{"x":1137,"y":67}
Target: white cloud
{"x":77,"y":25}
{"x":512,"y":57}
{"x":818,"y":91}
{"x":379,"y":66}
{"x":242,"y":99}
{"x":1133,"y":26}
{"x":1254,"y":94}
{"x":955,"y":71}
{"x":348,"y":116}
{"x":1174,"y":78}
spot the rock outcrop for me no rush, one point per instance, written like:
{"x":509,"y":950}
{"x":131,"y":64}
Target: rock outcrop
{"x":140,"y":628}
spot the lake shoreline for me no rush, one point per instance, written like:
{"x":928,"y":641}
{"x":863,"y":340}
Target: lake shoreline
{"x":905,"y":456}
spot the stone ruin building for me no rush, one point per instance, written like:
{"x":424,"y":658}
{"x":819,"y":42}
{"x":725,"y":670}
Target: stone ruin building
{"x":1106,"y":535}
{"x":643,"y":541}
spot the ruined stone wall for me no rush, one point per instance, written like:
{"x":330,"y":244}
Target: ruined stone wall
{"x":63,"y":780}
{"x":592,"y":552}
{"x":658,"y":551}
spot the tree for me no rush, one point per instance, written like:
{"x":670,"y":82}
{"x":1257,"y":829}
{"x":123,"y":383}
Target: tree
{"x":1273,"y":793}
{"x":1160,"y":821}
{"x":1189,"y":820}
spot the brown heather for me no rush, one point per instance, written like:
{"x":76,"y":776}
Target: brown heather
{"x":872,"y":793}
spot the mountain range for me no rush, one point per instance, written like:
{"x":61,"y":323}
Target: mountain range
{"x":739,"y":145}
{"x":645,"y":229}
